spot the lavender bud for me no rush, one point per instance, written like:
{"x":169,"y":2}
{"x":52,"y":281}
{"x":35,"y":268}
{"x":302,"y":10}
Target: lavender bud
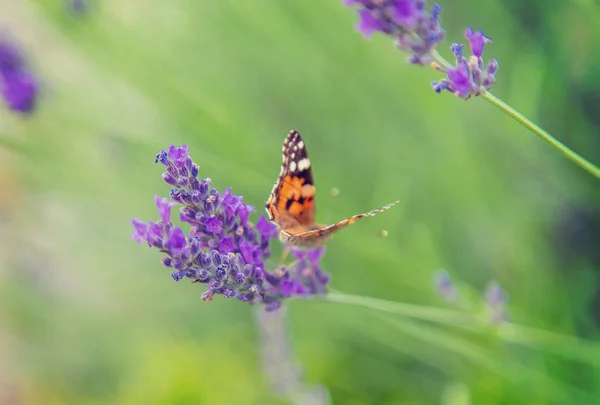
{"x":202,"y":275}
{"x":175,"y":195}
{"x":179,"y":265}
{"x":204,"y":260}
{"x":247,"y":270}
{"x":204,"y":186}
{"x":170,"y":180}
{"x":161,"y":157}
{"x":476,"y":76}
{"x":196,"y":197}
{"x":208,"y":295}
{"x":182,"y":182}
{"x":216,"y":258}
{"x":492,"y":67}
{"x":246,"y":297}
{"x":172,"y":170}
{"x":195,"y":246}
{"x":240,"y":278}
{"x":221,"y":272}
{"x":194,"y":169}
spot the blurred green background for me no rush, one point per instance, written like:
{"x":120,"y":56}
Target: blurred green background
{"x":89,"y":317}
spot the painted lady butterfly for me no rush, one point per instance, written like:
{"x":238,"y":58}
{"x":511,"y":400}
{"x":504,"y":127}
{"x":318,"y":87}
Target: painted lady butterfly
{"x":291,"y":204}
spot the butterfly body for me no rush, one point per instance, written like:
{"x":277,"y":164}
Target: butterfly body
{"x":291,"y":204}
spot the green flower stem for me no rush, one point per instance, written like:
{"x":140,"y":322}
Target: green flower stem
{"x":567,"y":346}
{"x":567,"y":152}
{"x":432,"y":314}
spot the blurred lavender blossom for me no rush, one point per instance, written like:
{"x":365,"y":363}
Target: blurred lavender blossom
{"x":417,"y":31}
{"x":496,"y":300}
{"x":78,"y":6}
{"x":445,"y":286}
{"x":18,"y":86}
{"x":222,"y":249}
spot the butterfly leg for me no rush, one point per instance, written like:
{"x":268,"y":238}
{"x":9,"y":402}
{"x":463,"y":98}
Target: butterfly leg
{"x":284,"y":256}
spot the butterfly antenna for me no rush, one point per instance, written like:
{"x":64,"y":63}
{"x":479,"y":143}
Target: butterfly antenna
{"x":384,"y":208}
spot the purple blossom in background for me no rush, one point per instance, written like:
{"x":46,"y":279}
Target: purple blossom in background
{"x":19,"y":90}
{"x":496,"y":299}
{"x":445,"y":286}
{"x":470,"y":76}
{"x":18,"y":86}
{"x":222,"y":248}
{"x":78,"y":6}
{"x":417,"y":31}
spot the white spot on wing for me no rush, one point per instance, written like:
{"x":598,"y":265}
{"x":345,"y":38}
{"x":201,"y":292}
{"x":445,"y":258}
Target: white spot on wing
{"x":293,"y":166}
{"x":303,"y":164}
{"x":300,"y":145}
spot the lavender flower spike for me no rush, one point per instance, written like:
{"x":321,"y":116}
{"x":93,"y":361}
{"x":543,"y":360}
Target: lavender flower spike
{"x":469,"y":77}
{"x":18,"y":86}
{"x":222,"y":248}
{"x":416,"y":31}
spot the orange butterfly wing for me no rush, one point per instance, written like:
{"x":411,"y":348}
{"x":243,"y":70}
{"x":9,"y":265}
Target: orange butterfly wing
{"x":292,"y":200}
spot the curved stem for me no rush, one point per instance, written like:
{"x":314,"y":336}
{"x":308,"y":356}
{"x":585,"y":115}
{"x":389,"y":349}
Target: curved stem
{"x":568,"y":346}
{"x":432,"y":314}
{"x":440,"y":60}
{"x":566,"y":151}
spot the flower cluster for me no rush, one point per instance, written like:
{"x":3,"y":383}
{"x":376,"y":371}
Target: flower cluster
{"x":470,"y":76}
{"x":222,"y":248}
{"x":18,"y":86}
{"x":417,"y":31}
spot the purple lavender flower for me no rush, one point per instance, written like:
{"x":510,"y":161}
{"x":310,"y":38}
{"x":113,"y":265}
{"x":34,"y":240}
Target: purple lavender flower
{"x":417,"y":31}
{"x":17,"y":85}
{"x":445,"y":286}
{"x":222,"y":248}
{"x":19,"y":90}
{"x":469,"y":77}
{"x":477,"y":41}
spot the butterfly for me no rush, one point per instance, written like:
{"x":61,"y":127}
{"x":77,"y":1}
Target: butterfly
{"x":291,"y":204}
